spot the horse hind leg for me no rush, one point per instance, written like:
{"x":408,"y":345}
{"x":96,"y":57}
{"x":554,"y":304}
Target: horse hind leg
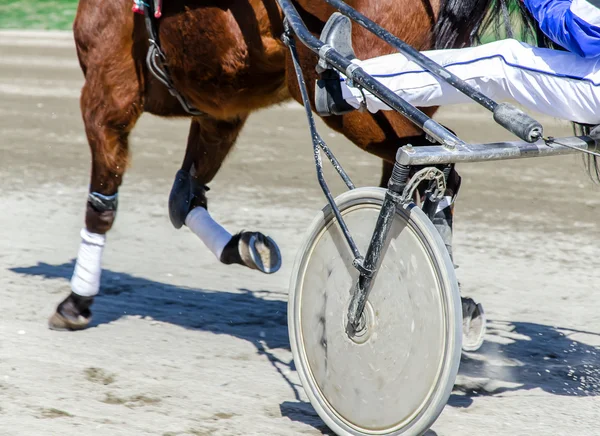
{"x":209,"y":142}
{"x":108,"y":117}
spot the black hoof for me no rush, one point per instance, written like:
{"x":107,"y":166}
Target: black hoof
{"x":73,"y":313}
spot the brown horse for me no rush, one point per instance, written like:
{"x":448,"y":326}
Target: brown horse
{"x":227,"y":59}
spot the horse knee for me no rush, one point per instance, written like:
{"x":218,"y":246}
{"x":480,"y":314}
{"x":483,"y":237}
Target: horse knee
{"x":101,"y":212}
{"x":187,"y":193}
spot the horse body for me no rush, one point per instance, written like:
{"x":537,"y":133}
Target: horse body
{"x":227,"y":59}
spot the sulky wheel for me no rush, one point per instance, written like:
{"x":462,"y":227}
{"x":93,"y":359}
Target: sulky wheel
{"x":394,"y":376}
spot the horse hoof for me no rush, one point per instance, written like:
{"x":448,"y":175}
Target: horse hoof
{"x":474,"y":325}
{"x":61,"y":323}
{"x":259,"y":252}
{"x":73,"y":313}
{"x":254,"y":250}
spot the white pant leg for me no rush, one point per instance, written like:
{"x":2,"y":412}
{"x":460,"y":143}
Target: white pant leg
{"x":557,"y":83}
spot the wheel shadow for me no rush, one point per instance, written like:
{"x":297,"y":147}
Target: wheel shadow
{"x":515,"y":356}
{"x":305,"y":413}
{"x":520,"y":356}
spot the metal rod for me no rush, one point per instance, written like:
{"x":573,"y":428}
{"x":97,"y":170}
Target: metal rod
{"x":318,"y":144}
{"x":334,"y":162}
{"x":358,"y":75}
{"x":434,"y":155}
{"x":311,"y":122}
{"x":364,"y":284}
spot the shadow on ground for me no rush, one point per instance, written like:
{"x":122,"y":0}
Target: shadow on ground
{"x":249,"y":315}
{"x":515,"y":356}
{"x":523,"y":356}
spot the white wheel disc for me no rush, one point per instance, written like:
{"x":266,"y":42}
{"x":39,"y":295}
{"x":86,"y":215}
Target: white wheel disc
{"x":396,"y":376}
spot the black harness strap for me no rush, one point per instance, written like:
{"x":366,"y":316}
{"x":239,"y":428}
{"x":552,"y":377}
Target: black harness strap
{"x":156,"y":61}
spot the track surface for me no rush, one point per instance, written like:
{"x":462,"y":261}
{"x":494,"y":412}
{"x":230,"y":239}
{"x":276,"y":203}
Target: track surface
{"x":182,"y":345}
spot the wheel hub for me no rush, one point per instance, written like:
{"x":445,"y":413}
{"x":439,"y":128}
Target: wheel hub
{"x":366,"y":324}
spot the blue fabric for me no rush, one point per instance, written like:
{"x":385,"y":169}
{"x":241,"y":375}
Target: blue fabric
{"x":562,"y":26}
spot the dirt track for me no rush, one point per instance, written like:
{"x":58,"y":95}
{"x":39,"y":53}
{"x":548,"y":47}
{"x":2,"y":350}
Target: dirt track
{"x":182,"y":345}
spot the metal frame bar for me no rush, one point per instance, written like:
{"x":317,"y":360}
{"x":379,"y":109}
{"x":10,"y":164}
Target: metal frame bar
{"x":452,"y":150}
{"x":435,"y":155}
{"x":319,"y":144}
{"x":294,"y":27}
{"x":359,"y":76}
{"x":393,"y":198}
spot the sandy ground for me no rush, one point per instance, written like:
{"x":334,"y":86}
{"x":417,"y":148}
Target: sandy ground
{"x":182,"y":345}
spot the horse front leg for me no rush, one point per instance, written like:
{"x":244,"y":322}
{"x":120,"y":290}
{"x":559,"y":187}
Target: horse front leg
{"x":209,"y":142}
{"x":108,"y":119}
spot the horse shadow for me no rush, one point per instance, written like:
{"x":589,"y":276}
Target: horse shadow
{"x":249,"y":315}
{"x":515,"y":356}
{"x":254,"y":316}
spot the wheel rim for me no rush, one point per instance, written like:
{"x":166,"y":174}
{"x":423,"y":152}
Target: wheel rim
{"x":393,"y":377}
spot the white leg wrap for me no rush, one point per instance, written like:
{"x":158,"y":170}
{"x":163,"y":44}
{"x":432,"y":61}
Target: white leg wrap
{"x":86,"y":277}
{"x":208,"y":230}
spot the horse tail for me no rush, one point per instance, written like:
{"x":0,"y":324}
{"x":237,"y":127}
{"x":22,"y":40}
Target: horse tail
{"x":463,"y":23}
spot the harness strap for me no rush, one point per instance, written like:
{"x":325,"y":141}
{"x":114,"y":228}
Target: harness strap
{"x":156,"y":59}
{"x":103,"y":203}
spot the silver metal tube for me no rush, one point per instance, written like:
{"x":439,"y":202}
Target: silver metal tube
{"x":437,"y":154}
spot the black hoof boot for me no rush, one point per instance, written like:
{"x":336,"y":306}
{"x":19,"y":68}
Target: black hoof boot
{"x":186,"y":194}
{"x":328,"y":93}
{"x":254,"y":250}
{"x":73,"y":313}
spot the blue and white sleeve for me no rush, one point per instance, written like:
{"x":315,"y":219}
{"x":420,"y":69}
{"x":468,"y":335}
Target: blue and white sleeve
{"x":575,"y":25}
